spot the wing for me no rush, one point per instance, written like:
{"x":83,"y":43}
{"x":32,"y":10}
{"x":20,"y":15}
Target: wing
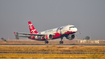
{"x":34,"y":34}
{"x":28,"y":34}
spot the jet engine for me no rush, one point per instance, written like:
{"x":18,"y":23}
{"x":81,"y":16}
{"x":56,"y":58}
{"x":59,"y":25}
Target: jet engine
{"x":39,"y":37}
{"x":70,"y":36}
{"x":49,"y":36}
{"x":36,"y":37}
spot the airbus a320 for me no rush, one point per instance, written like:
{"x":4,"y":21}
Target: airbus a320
{"x":67,"y":31}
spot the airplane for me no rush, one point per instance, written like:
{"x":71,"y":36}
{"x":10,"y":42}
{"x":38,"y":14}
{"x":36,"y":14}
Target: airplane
{"x":67,"y":31}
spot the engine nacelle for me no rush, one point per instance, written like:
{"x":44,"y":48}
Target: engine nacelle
{"x":70,"y":36}
{"x":49,"y":36}
{"x":39,"y":37}
{"x":36,"y":37}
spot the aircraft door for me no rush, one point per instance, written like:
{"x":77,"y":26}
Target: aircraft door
{"x":59,"y":30}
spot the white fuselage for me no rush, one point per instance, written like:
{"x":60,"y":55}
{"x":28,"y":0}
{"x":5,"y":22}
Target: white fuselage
{"x":60,"y":30}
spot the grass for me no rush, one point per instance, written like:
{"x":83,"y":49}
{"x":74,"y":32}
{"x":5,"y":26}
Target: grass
{"x":51,"y":56}
{"x":53,"y":48}
{"x":50,"y":49}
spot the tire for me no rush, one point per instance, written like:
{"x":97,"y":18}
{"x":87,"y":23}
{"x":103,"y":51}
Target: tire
{"x":61,"y":42}
{"x":46,"y":42}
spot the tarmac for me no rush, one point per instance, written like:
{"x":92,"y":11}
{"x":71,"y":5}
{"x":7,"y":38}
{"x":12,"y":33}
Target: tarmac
{"x":44,"y":45}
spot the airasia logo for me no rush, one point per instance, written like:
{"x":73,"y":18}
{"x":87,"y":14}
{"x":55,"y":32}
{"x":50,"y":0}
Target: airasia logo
{"x":30,"y":25}
{"x":33,"y":31}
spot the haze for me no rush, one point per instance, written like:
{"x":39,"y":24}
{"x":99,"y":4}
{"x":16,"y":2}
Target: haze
{"x":87,"y":15}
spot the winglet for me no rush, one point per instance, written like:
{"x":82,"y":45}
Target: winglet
{"x":14,"y":32}
{"x":16,"y":35}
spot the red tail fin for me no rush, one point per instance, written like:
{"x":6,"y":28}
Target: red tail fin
{"x":31,"y":28}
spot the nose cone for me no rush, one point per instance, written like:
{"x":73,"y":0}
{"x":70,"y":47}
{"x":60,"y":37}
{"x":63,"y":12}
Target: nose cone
{"x":74,"y":29}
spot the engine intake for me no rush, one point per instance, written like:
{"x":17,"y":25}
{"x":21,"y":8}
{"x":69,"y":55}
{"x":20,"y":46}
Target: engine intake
{"x":70,"y":36}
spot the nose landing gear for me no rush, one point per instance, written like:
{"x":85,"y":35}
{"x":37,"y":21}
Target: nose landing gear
{"x":61,"y":42}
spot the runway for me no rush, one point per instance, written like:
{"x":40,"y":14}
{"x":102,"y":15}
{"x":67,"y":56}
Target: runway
{"x":52,"y":53}
{"x":44,"y":45}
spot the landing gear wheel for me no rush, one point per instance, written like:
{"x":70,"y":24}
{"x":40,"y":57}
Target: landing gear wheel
{"x":61,"y":42}
{"x":46,"y":42}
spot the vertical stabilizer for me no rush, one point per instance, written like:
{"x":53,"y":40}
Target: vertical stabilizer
{"x":31,"y":28}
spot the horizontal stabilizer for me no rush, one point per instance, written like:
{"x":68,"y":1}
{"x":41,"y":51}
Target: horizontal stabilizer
{"x":17,"y":35}
{"x":23,"y":36}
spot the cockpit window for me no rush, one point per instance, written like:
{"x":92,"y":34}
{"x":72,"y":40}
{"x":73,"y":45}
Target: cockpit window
{"x":72,"y":27}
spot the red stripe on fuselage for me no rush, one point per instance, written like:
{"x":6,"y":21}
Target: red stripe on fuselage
{"x":69,"y":32}
{"x":57,"y":35}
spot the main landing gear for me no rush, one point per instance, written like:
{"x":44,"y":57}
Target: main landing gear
{"x":46,"y":42}
{"x":61,"y":42}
